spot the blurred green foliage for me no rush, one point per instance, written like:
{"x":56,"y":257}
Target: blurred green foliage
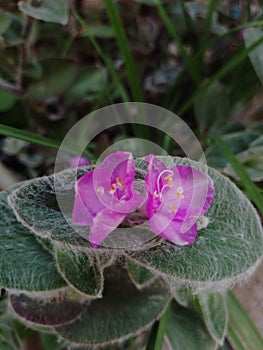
{"x":61,"y":60}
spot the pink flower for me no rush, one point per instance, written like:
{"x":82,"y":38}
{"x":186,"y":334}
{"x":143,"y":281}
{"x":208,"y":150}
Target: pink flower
{"x":76,"y":161}
{"x":105,"y":195}
{"x":177,"y":196}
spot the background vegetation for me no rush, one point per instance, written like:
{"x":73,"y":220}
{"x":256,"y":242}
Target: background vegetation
{"x":203,"y":60}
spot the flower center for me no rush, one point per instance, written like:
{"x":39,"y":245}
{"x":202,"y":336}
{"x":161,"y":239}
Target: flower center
{"x":100,"y":191}
{"x":179,"y":192}
{"x":163,"y":182}
{"x":119,"y":184}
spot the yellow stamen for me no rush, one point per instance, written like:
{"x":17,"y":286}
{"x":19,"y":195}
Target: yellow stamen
{"x":155,"y":195}
{"x":173,"y":208}
{"x":179,"y":192}
{"x":100,"y":190}
{"x":120,"y":182}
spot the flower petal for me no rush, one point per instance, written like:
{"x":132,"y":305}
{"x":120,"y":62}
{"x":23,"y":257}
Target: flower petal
{"x":103,"y":224}
{"x":191,"y":194}
{"x":101,"y":180}
{"x":75,"y":161}
{"x":176,"y":231}
{"x":155,"y":167}
{"x":80,"y":214}
{"x":87,"y":192}
{"x":120,"y":165}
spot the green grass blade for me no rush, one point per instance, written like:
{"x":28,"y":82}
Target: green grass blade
{"x":122,"y":41}
{"x":30,"y":137}
{"x":189,"y":23}
{"x":207,"y":25}
{"x":241,"y":327}
{"x":208,"y":20}
{"x":27,"y":136}
{"x":196,"y":57}
{"x":211,"y":43}
{"x":108,"y":62}
{"x":228,"y":66}
{"x":234,"y":339}
{"x":176,"y":37}
{"x":252,"y":191}
{"x":152,"y":336}
{"x":156,"y":337}
{"x":110,"y":66}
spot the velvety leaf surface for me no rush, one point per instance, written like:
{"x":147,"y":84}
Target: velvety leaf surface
{"x":46,"y":10}
{"x":138,"y":274}
{"x":211,"y":306}
{"x":55,"y":310}
{"x":122,"y":311}
{"x":37,"y":208}
{"x":24,"y":264}
{"x":183,"y":295}
{"x":224,"y":252}
{"x":251,"y":35}
{"x":80,"y":271}
{"x":185,"y":330}
{"x":227,"y":250}
{"x":44,"y":218}
{"x":214,"y":311}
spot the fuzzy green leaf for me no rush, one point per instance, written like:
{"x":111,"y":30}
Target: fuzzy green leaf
{"x":25,"y":265}
{"x":212,"y":107}
{"x":123,"y":311}
{"x":5,"y":21}
{"x":239,"y":141}
{"x":89,"y":83}
{"x":7,"y":100}
{"x":252,"y":160}
{"x":46,"y":10}
{"x":226,"y":251}
{"x":185,"y":330}
{"x":44,"y":217}
{"x":183,"y":295}
{"x":80,"y":270}
{"x":50,"y":310}
{"x":57,"y":76}
{"x":214,"y":311}
{"x":251,"y":35}
{"x":138,"y":274}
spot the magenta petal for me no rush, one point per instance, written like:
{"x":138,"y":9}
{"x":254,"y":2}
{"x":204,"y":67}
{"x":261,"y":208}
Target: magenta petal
{"x":80,"y":213}
{"x":154,"y":164}
{"x":105,"y":195}
{"x":173,"y":234}
{"x":173,"y":230}
{"x":75,"y":161}
{"x":87,"y":192}
{"x":120,"y":164}
{"x":101,"y":180}
{"x":197,"y":195}
{"x":155,"y":167}
{"x":103,"y":224}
